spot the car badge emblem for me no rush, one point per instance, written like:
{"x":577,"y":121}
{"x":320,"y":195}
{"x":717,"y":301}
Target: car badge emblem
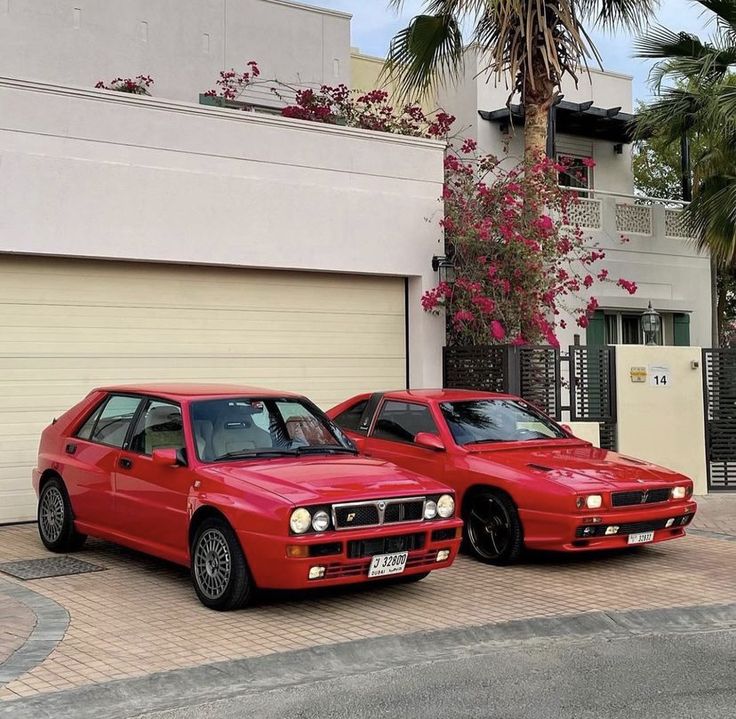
{"x":350,"y":517}
{"x":382,"y":506}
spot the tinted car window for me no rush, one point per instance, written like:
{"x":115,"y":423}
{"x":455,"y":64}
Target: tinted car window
{"x":159,"y":427}
{"x":115,"y":418}
{"x":497,"y":420}
{"x":350,"y":418}
{"x":402,"y":421}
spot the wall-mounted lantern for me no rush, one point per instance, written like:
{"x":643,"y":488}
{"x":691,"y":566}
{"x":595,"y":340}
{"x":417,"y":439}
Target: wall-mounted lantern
{"x":444,"y":266}
{"x":651,"y":325}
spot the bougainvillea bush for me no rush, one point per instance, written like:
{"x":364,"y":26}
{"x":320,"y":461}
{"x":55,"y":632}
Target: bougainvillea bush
{"x":137,"y":85}
{"x":231,"y":84}
{"x":518,"y":262}
{"x":367,"y":110}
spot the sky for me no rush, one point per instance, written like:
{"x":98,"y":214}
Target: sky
{"x":374,"y":24}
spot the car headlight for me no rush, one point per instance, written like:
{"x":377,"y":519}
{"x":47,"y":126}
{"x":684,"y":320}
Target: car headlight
{"x":679,"y":492}
{"x":320,"y":521}
{"x":300,"y":521}
{"x":592,"y":501}
{"x":430,"y":509}
{"x":445,"y":506}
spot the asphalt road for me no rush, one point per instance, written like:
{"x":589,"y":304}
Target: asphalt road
{"x":658,"y":676}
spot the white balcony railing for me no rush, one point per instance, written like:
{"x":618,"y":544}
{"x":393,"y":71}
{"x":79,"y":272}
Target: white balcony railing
{"x":629,"y":214}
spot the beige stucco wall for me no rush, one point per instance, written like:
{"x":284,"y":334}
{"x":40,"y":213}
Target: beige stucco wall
{"x":589,"y":431}
{"x":663,"y":424}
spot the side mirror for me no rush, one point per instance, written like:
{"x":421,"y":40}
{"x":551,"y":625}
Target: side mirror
{"x":429,"y":441}
{"x":567,"y":428}
{"x":165,"y":457}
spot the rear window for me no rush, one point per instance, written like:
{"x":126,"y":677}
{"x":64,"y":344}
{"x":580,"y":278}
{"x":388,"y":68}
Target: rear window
{"x":350,"y":418}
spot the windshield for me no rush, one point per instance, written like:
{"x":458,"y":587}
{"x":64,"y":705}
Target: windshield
{"x":497,"y":420}
{"x":242,"y":427}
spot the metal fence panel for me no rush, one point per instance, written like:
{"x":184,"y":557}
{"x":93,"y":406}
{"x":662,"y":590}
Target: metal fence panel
{"x":719,"y":381}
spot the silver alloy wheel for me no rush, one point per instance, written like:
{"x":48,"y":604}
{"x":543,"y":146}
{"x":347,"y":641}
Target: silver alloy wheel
{"x":212,"y":564}
{"x":51,"y":514}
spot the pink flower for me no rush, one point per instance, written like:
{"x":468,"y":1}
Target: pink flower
{"x":470,"y":145}
{"x":588,"y":281}
{"x":462,"y":316}
{"x":630,"y":287}
{"x":497,"y":330}
{"x":588,"y":162}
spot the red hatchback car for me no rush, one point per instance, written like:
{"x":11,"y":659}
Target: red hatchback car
{"x":521,"y":479}
{"x":251,"y":488}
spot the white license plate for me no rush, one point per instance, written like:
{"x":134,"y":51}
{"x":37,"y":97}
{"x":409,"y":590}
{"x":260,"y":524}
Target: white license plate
{"x":383,"y":564}
{"x":641,"y":537}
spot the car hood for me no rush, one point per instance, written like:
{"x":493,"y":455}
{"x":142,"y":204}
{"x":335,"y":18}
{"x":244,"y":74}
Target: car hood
{"x":326,"y":480}
{"x":581,"y":467}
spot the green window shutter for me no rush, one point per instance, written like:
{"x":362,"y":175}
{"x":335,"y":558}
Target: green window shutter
{"x":681,"y":324}
{"x":596,"y":333}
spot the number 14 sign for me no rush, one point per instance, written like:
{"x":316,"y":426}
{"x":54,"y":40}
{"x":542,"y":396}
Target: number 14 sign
{"x":659,"y":376}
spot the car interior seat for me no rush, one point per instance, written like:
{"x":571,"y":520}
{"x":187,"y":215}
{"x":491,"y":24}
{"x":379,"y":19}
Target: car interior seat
{"x":234,"y":431}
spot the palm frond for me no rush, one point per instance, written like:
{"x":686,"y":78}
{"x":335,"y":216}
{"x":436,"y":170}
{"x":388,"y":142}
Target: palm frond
{"x":609,"y":14}
{"x":427,"y":53}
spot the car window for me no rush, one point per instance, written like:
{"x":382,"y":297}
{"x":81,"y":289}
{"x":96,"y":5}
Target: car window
{"x":85,"y":431}
{"x":402,"y":421}
{"x":497,"y":420}
{"x":249,"y":425}
{"x":114,"y":420}
{"x":350,"y":418}
{"x":160,"y":426}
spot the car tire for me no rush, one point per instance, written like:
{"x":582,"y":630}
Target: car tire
{"x":56,"y":519}
{"x":220,"y":572}
{"x":493,"y":531}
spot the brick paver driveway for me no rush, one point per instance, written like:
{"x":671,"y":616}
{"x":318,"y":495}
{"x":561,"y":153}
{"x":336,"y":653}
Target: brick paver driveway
{"x":141,"y":615}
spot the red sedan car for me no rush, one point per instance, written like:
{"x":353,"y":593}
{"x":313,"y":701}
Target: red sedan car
{"x":251,"y":488}
{"x":521,"y":479}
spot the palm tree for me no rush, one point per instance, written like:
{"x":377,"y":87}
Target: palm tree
{"x":702,"y":103}
{"x":535,"y":43}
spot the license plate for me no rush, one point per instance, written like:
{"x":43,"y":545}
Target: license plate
{"x":641,"y":537}
{"x":383,"y":564}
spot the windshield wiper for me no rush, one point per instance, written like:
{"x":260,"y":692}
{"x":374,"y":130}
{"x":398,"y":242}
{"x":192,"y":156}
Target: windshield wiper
{"x":486,"y":441}
{"x":322,"y":448}
{"x":244,"y":454}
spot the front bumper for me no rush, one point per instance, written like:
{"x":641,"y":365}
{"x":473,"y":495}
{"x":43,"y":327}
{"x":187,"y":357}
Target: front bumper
{"x":564,"y":532}
{"x":348,"y":563}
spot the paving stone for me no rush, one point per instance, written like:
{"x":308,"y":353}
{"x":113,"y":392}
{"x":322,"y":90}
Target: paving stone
{"x":47,"y":567}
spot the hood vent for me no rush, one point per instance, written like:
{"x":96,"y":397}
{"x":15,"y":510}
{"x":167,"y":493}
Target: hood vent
{"x":540,"y":467}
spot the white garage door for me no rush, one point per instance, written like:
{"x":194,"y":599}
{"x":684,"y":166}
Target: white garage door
{"x":69,"y":325}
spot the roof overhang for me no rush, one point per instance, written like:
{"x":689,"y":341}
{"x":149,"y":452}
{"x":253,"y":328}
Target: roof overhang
{"x":581,"y":119}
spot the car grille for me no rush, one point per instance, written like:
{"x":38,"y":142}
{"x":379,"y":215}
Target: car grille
{"x":384,"y":511}
{"x":650,"y":496}
{"x":653,"y":525}
{"x":384,"y":545}
{"x":360,"y":568}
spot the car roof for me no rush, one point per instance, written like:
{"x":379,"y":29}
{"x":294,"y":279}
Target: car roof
{"x":444,"y":395}
{"x":184,"y":390}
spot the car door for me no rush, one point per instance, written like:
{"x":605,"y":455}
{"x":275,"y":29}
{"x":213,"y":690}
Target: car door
{"x":151,"y":500}
{"x":92,"y":456}
{"x":392,"y":435}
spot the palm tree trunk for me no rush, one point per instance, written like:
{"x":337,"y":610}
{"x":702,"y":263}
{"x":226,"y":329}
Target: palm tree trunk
{"x":536,"y":125}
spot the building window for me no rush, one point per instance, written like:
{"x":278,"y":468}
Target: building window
{"x":624,"y":328}
{"x":577,"y":174}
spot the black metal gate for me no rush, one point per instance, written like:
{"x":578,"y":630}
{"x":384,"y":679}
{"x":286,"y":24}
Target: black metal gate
{"x":593,"y":390}
{"x":719,"y":381}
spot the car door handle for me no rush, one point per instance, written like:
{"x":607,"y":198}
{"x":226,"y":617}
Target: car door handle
{"x":126,"y":463}
{"x":71,"y":448}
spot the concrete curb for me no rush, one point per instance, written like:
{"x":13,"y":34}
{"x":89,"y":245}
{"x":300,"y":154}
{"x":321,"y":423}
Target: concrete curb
{"x":223,"y":680}
{"x":52,"y":621}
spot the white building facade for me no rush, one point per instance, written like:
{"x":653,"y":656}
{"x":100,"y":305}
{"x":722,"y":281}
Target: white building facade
{"x":658,"y":254}
{"x":154,"y":238}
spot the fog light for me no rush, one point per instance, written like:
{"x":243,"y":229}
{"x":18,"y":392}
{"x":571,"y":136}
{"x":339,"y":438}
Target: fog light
{"x":316,"y":572}
{"x":298,"y":551}
{"x":613,"y":529}
{"x":669,"y":522}
{"x":587,"y":531}
{"x":443,"y":555}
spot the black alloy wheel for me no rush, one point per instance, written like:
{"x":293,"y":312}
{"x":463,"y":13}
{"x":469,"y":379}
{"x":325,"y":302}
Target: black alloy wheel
{"x":493,"y":531}
{"x":56,"y":519}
